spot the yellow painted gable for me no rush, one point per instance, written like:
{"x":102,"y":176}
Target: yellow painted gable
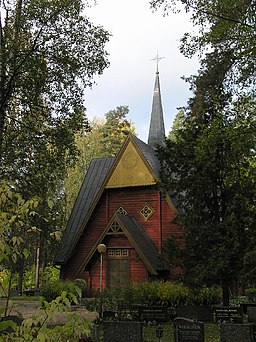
{"x":131,"y":170}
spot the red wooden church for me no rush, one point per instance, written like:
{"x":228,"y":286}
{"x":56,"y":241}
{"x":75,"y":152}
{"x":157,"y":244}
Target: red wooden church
{"x":121,"y":205}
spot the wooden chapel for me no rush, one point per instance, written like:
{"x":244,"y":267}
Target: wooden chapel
{"x":121,"y":205}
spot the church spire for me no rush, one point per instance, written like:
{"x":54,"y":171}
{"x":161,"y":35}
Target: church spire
{"x":156,"y":134}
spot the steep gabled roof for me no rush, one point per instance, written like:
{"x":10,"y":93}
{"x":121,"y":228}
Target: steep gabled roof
{"x":143,"y":244}
{"x":88,"y":195}
{"x":95,"y":181}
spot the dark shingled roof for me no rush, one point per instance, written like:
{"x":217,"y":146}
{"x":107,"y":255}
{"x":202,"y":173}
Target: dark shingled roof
{"x":90,"y":193}
{"x":145,"y":246}
{"x":156,"y":134}
{"x":95,"y":177}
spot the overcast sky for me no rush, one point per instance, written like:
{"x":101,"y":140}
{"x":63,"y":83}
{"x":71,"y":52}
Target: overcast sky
{"x":137,"y":36}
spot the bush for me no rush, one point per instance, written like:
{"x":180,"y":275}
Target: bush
{"x":161,"y":293}
{"x":251,"y":294}
{"x":205,"y":296}
{"x":54,"y":288}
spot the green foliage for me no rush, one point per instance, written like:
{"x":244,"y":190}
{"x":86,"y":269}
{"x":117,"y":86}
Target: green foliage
{"x":115,"y":130}
{"x":161,"y":293}
{"x":53,"y":289}
{"x":238,"y":300}
{"x":49,"y":53}
{"x":16,"y":231}
{"x":39,"y":328}
{"x":224,"y":41}
{"x":104,"y":139}
{"x":177,"y":125}
{"x":210,"y":169}
{"x":251,"y":294}
{"x":4,"y":279}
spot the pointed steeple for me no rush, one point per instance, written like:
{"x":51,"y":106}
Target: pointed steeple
{"x":156,"y":134}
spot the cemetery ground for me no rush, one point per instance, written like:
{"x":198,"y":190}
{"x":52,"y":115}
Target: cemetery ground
{"x":30,"y":306}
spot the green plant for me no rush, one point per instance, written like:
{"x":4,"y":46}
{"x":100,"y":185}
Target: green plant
{"x":161,"y":293}
{"x":251,"y":294}
{"x":54,"y":289}
{"x":205,"y":296}
{"x":39,"y":329}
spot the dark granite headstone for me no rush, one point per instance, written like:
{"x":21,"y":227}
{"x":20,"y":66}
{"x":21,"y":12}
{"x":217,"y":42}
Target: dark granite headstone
{"x":251,"y":312}
{"x":237,"y":332}
{"x":153,"y":313}
{"x":232,"y":314}
{"x":122,"y":331}
{"x":201,"y":313}
{"x":187,"y":330}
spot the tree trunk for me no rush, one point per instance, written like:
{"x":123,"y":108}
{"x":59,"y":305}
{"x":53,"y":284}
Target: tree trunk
{"x":20,"y":280}
{"x":37,"y":267}
{"x":8,"y":294}
{"x":225,"y":293}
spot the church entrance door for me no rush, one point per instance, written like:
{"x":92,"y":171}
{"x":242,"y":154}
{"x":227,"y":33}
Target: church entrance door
{"x":118,"y":272}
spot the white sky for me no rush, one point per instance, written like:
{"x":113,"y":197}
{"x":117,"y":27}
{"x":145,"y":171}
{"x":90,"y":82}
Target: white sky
{"x":137,"y":35}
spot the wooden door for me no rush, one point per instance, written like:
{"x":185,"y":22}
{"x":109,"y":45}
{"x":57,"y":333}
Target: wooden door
{"x":118,"y":272}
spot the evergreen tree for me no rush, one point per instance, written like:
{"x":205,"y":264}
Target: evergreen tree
{"x":211,"y":171}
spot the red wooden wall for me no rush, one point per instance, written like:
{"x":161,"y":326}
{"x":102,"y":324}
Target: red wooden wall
{"x":159,"y":227}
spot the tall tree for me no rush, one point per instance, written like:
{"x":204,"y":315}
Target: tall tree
{"x":211,"y":164}
{"x":115,"y":130}
{"x":225,"y":31}
{"x":48,"y":52}
{"x":104,"y":139}
{"x":178,"y":123}
{"x":211,"y":171}
{"x":16,"y":230}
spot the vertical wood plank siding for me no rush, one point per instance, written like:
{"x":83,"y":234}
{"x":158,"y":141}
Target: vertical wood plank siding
{"x":159,"y":227}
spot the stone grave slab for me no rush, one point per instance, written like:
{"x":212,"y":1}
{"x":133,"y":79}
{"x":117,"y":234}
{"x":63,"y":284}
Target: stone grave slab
{"x":122,"y":331}
{"x":188,"y":330}
{"x":237,"y":332}
{"x":232,"y":314}
{"x":251,"y":312}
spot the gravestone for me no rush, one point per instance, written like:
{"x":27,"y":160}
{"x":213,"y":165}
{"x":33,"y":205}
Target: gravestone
{"x":232,"y":314}
{"x":122,"y":331}
{"x":237,"y":332}
{"x":188,"y":330}
{"x":201,"y":313}
{"x":251,"y":312}
{"x":153,"y":313}
{"x":94,"y":336}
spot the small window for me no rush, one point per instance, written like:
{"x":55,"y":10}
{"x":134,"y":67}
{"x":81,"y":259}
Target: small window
{"x":111,"y":252}
{"x":115,"y":228}
{"x":118,"y":253}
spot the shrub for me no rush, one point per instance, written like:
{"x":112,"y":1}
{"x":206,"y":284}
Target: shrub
{"x":205,"y":296}
{"x":173,"y":294}
{"x":161,"y":293}
{"x":54,"y":288}
{"x":251,"y":294}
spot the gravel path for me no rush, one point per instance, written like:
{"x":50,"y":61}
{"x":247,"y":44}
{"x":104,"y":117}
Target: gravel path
{"x":29,"y":309}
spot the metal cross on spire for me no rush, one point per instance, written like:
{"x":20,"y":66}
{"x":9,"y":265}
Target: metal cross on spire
{"x":157,"y":59}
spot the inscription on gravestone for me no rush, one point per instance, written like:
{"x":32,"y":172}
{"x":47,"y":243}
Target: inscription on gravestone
{"x":228,"y":314}
{"x":187,"y":330}
{"x":122,"y":331}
